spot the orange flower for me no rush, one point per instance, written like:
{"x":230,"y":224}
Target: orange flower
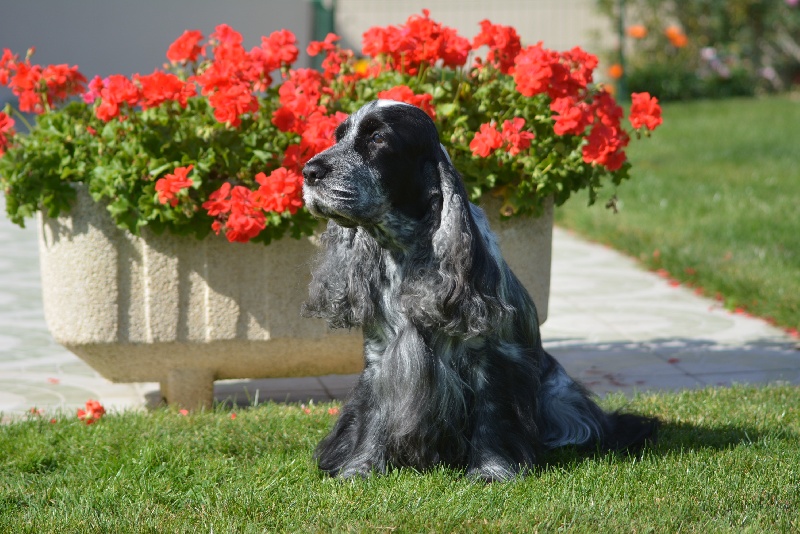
{"x":676,"y":36}
{"x":637,"y":31}
{"x":615,"y":71}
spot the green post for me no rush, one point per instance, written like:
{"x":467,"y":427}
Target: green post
{"x":323,"y":23}
{"x":622,"y":86}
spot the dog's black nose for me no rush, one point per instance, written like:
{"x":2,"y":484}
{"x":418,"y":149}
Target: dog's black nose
{"x":315,"y":171}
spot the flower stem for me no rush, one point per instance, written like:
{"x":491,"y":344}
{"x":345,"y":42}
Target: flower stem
{"x":21,"y":117}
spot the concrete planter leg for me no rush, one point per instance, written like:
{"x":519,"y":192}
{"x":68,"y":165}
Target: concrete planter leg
{"x":184,"y":313}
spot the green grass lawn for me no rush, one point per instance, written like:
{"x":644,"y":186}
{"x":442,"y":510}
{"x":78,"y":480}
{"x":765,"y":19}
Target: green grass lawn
{"x":714,"y":200}
{"x":728,"y":460}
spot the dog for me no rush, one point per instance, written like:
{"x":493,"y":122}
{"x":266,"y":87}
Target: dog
{"x":454,"y":369}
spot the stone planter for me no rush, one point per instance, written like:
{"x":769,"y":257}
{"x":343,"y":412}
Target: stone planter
{"x":184,"y":312}
{"x":527,"y":246}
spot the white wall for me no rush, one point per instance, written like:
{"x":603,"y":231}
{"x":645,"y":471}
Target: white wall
{"x":560,"y":24}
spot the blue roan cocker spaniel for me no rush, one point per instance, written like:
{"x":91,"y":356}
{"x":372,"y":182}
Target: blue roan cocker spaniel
{"x":455,"y":372}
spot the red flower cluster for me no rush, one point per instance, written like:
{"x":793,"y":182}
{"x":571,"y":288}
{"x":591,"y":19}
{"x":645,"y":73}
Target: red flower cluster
{"x":239,"y":211}
{"x":115,"y":92}
{"x":489,"y":139}
{"x":281,"y":191}
{"x":645,"y":111}
{"x":161,"y":87}
{"x":503,"y":42}
{"x":572,"y":116}
{"x":39,"y":88}
{"x":93,"y":412}
{"x":559,"y":74}
{"x":171,"y":184}
{"x":186,"y":47}
{"x":419,"y":41}
{"x":234,"y":74}
{"x":565,"y":78}
{"x":6,"y":132}
{"x":229,"y":80}
{"x":335,"y":57}
{"x":607,"y":140}
{"x":302,"y":113}
{"x":403,"y":93}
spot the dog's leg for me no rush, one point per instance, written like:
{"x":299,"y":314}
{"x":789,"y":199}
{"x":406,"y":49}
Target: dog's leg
{"x":504,"y":438}
{"x":354,"y":445}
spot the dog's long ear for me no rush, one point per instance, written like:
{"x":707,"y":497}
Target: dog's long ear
{"x":345,"y":279}
{"x":464,"y":295}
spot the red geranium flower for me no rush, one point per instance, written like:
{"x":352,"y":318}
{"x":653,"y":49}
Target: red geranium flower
{"x":231,"y":102}
{"x":117,"y":90}
{"x":160,"y":87}
{"x":63,"y":82}
{"x":515,"y":137}
{"x":277,"y":50}
{"x":186,"y":47}
{"x":403,"y":93}
{"x":6,"y":132}
{"x":7,"y":62}
{"x":539,"y":70}
{"x":486,"y":141}
{"x":93,"y":412}
{"x":171,"y":184}
{"x":420,"y":40}
{"x":605,"y":146}
{"x":503,"y":42}
{"x":281,"y":191}
{"x":645,"y":111}
{"x":572,"y":116}
{"x":239,"y":212}
{"x":316,"y":47}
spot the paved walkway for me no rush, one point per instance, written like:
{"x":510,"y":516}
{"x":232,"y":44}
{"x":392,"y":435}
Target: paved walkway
{"x":612,"y":325}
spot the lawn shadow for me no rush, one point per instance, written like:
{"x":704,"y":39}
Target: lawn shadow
{"x":673,"y":438}
{"x":247,"y":393}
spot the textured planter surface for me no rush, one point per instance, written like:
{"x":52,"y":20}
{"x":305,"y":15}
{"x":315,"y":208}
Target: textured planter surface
{"x":184,"y":312}
{"x":527,"y":246}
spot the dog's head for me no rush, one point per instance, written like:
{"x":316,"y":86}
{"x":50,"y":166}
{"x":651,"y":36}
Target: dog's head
{"x":382,"y":165}
{"x":388,"y":174}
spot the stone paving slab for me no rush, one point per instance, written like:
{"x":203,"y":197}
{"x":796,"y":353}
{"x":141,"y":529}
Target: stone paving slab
{"x":613,"y":326}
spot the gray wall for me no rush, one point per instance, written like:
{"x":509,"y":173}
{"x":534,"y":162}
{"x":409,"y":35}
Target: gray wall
{"x":126,"y":37}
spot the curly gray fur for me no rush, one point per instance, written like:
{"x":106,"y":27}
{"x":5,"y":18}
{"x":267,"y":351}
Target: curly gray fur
{"x":455,"y":372}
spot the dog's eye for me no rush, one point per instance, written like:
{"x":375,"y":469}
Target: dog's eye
{"x":378,"y":138}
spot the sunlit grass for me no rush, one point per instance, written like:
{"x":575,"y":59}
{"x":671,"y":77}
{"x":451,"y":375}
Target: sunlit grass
{"x":715,"y":201}
{"x":727,"y":460}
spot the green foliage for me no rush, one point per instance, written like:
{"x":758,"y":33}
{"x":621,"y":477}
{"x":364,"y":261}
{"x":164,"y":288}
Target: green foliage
{"x":728,"y":460}
{"x":120,"y":161}
{"x":732,"y":48}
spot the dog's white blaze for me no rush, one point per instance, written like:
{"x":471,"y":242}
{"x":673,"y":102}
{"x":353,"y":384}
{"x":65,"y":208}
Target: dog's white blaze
{"x":384,"y":103}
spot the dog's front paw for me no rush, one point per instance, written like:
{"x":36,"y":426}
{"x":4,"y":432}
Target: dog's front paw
{"x":357,"y":471}
{"x":493,"y":471}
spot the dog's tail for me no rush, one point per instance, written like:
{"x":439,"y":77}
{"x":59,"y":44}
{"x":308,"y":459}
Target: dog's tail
{"x":569,"y":416}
